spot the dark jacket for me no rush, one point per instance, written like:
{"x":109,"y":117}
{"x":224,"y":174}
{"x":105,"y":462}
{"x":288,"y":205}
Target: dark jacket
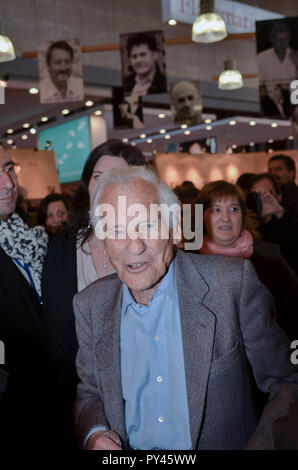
{"x":158,"y":85}
{"x":284,"y":233}
{"x":280,"y":279}
{"x":290,"y":198}
{"x":59,"y":285}
{"x":25,"y":409}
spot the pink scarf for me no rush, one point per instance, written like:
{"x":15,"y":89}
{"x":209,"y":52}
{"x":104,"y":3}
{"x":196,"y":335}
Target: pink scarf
{"x":242,"y":249}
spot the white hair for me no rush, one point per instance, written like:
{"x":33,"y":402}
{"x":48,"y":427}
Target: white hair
{"x":124,"y":176}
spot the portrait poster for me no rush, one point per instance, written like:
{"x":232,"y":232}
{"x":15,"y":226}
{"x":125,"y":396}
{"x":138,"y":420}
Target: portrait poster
{"x":277,"y":60}
{"x":143,"y":63}
{"x":60,"y":71}
{"x":127,"y":110}
{"x":186,"y":102}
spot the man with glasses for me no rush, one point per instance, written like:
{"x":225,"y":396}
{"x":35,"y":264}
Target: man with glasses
{"x":25,"y":407}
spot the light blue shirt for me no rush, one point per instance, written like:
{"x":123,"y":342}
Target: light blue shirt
{"x":152,"y":370}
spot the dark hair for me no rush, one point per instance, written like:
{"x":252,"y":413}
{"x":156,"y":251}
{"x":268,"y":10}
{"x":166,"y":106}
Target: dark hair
{"x":243,"y":180}
{"x":263,"y":176}
{"x":58,"y":45}
{"x":81,"y":203}
{"x":43,"y":206}
{"x":288,"y":161}
{"x":141,"y":38}
{"x":221,"y":190}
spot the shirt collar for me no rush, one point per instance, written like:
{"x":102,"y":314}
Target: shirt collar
{"x":166,"y":287}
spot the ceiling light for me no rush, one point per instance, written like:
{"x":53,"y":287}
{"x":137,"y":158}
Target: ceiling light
{"x":9,"y":141}
{"x":89,"y":103}
{"x":26,"y":125}
{"x":149,"y":141}
{"x":252,"y":123}
{"x":274,"y":124}
{"x":65,"y":111}
{"x":167,"y":136}
{"x":161,"y":115}
{"x":98,"y":112}
{"x":3,"y":82}
{"x":34,"y":91}
{"x":184,"y":126}
{"x":232,"y":123}
{"x":143,"y":136}
{"x":125,"y":139}
{"x":24,"y":137}
{"x":187,"y":132}
{"x":33,"y":130}
{"x":208,"y":128}
{"x":162,"y":131}
{"x":209,"y":26}
{"x":234,"y":146}
{"x":7,"y":52}
{"x":291,"y":137}
{"x":133,"y":143}
{"x":10,"y":131}
{"x":207,"y":121}
{"x":270,"y":141}
{"x":230,"y":78}
{"x":251,"y":144}
{"x":172,"y":22}
{"x":44,"y":119}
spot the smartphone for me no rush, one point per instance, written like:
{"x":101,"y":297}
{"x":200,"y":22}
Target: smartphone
{"x":254,"y":203}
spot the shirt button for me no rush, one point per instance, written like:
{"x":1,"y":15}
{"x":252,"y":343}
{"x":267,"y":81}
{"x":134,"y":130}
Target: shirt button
{"x":156,"y":338}
{"x":159,"y":378}
{"x":161,"y":419}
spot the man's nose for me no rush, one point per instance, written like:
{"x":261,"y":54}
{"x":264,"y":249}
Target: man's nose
{"x":136,"y":246}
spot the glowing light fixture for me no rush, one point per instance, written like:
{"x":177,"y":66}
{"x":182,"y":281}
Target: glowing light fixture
{"x":208,"y":128}
{"x":125,"y":139}
{"x":184,"y":126}
{"x":26,"y":125}
{"x":167,"y":136}
{"x":98,"y":112}
{"x":172,"y":22}
{"x":34,"y":91}
{"x":209,"y":26}
{"x":187,"y":132}
{"x":33,"y":130}
{"x":230,"y":78}
{"x":162,"y":131}
{"x":291,"y":137}
{"x":9,"y":141}
{"x":232,"y":123}
{"x":10,"y":131}
{"x":44,"y":119}
{"x":252,"y":123}
{"x":149,"y":141}
{"x":143,"y":136}
{"x":161,"y":115}
{"x":65,"y":112}
{"x":274,"y":124}
{"x":207,"y":121}
{"x":7,"y":52}
{"x":89,"y":103}
{"x":24,"y":137}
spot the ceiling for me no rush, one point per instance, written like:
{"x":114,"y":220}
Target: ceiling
{"x":21,"y":107}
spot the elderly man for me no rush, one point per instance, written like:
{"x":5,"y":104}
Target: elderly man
{"x":60,"y":85}
{"x":187,"y":103}
{"x":165,"y":347}
{"x":26,"y":403}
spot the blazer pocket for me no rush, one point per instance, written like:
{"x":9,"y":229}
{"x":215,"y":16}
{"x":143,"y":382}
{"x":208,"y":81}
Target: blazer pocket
{"x":226,"y":360}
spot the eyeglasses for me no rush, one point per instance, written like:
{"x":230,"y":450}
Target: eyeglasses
{"x":13,"y":169}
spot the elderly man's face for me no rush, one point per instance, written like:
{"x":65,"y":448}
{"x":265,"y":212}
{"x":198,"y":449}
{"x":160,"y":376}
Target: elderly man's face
{"x":140,"y":263}
{"x":60,"y":66}
{"x":8,"y":186}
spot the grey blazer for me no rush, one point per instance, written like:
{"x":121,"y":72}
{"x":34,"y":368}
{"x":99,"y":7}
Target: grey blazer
{"x":227,"y":331}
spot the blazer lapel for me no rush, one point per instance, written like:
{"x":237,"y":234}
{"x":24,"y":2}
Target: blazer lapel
{"x":108,"y":357}
{"x":198,"y":328}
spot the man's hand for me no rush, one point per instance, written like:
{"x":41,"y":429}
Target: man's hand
{"x":270,"y":205}
{"x":104,"y":440}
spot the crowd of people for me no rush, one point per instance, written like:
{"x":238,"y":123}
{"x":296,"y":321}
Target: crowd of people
{"x":120,"y":340}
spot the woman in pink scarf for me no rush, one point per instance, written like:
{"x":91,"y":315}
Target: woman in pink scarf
{"x":226,"y":233}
